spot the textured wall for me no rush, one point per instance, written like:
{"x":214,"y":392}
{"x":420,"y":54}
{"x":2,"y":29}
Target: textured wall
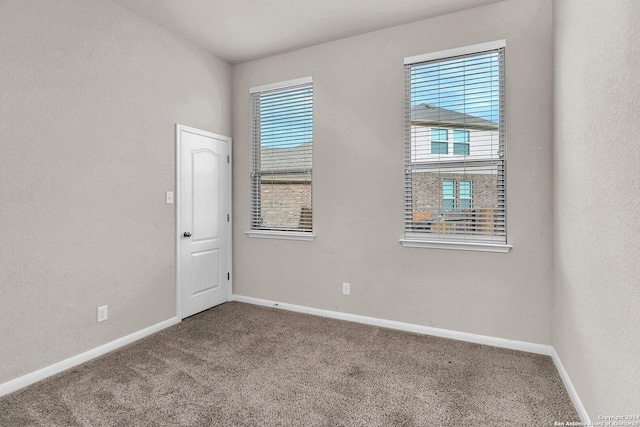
{"x":358,"y":184}
{"x":89,"y":98}
{"x":596,"y":318}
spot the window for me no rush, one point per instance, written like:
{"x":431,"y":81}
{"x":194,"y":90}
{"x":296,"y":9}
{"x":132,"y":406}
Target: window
{"x":465,"y":195}
{"x":456,"y":195}
{"x":461,"y":142}
{"x":439,"y":141}
{"x":448,"y":195}
{"x":457,"y":200}
{"x":282,"y":160}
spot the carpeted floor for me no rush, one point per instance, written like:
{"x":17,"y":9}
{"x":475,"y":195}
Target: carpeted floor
{"x":238,"y":364}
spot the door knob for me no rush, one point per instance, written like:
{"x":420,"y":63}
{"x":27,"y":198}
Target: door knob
{"x":187,"y":234}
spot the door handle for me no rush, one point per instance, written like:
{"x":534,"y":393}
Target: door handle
{"x":187,"y":234}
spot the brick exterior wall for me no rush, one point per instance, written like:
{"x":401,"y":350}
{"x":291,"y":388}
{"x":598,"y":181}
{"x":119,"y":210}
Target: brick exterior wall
{"x":286,"y":205}
{"x":427,"y":203}
{"x":427,"y":191}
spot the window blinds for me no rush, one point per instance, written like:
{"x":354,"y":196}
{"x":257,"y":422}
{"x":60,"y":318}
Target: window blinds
{"x":455,"y":148}
{"x":282,"y":158}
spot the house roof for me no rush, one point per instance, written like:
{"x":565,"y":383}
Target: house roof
{"x":429,"y":114}
{"x":287,"y":158}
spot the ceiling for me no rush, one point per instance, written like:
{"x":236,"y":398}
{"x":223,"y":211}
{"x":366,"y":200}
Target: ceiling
{"x":242,"y":30}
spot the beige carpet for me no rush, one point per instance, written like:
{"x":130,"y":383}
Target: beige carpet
{"x":239,"y":364}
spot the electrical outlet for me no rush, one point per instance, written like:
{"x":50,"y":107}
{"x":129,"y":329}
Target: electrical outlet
{"x":346,"y":289}
{"x":102,"y":313}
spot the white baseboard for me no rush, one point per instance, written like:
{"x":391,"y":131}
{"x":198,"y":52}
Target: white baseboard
{"x":28,"y":379}
{"x":573,"y":394}
{"x":408,"y":327}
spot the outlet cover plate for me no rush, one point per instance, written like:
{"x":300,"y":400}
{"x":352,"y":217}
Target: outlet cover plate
{"x":346,"y":289}
{"x":103,"y":313}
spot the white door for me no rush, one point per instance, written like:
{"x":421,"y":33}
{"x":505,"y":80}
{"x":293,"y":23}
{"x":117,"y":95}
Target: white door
{"x":204,"y":228}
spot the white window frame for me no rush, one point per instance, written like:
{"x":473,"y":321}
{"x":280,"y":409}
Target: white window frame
{"x":302,"y":235}
{"x":422,"y":240}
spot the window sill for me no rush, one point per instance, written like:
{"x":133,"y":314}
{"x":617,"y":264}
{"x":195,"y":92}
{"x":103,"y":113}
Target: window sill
{"x":459,"y":246}
{"x":282,"y":235}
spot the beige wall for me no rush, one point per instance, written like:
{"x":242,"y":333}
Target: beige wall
{"x":358,"y":184}
{"x":89,"y":98}
{"x":596,"y":318}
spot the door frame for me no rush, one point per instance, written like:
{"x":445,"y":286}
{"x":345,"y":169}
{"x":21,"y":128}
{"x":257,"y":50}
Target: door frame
{"x":178,"y":205}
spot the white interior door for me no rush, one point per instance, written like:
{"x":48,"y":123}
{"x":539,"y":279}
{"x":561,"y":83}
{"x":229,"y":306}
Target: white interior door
{"x":204,"y":228}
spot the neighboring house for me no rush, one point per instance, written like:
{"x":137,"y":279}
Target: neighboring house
{"x":285,"y":186}
{"x":441,"y":134}
{"x":453,"y":188}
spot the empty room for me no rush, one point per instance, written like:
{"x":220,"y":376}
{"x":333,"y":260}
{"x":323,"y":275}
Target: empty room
{"x":319,"y":213}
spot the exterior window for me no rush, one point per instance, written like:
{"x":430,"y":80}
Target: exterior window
{"x":461,"y":142}
{"x":282,"y":158}
{"x":448,"y":195}
{"x":456,"y":200}
{"x":456,"y":195}
{"x":464,"y":201}
{"x":439,"y":141}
